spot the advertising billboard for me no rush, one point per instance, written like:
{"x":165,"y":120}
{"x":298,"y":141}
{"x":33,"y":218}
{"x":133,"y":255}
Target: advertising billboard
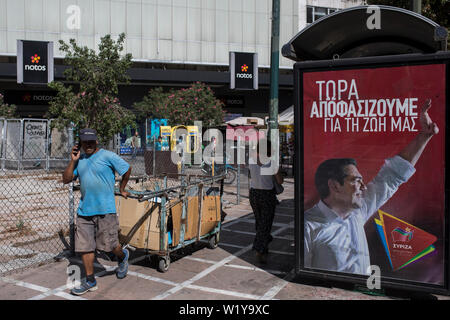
{"x":34,"y":62}
{"x":243,"y":71}
{"x":371,"y":183}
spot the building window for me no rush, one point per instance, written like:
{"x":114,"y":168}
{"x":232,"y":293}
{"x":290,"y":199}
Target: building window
{"x":315,"y":13}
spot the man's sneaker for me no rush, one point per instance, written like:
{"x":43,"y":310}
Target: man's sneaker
{"x":84,"y":287}
{"x":123,"y":266}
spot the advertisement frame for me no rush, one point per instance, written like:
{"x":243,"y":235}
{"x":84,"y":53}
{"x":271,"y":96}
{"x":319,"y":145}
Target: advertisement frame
{"x":363,"y":63}
{"x":20,"y":62}
{"x":232,"y":67}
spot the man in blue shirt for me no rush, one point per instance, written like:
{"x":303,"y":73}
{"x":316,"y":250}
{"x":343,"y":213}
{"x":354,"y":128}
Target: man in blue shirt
{"x":334,"y":237}
{"x":97,"y":223}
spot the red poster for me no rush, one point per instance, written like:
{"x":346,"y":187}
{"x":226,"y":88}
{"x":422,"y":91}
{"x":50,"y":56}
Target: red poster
{"x":371,"y":115}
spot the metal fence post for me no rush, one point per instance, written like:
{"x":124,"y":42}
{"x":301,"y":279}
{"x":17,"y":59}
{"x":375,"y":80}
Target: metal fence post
{"x":182,"y":166}
{"x":71,"y":220}
{"x":162,"y":226}
{"x":71,"y":201}
{"x":154,"y":158}
{"x":21,"y":145}
{"x":3,"y":155}
{"x":47,"y":147}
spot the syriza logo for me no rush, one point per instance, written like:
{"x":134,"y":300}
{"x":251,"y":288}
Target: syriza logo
{"x":404,"y":243}
{"x":404,"y":236}
{"x":35,"y":64}
{"x":245,"y":75}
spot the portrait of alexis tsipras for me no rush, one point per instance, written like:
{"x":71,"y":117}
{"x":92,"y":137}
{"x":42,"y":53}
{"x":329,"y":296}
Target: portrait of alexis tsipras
{"x":334,"y":236}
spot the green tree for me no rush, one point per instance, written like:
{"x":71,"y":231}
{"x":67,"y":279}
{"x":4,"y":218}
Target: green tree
{"x":6,"y":110}
{"x":152,"y":105}
{"x":95,"y":104}
{"x":183,"y":106}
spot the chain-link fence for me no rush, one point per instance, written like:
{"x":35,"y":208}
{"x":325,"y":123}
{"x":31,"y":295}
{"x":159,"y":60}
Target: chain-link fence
{"x":37,"y":210}
{"x":33,"y":200}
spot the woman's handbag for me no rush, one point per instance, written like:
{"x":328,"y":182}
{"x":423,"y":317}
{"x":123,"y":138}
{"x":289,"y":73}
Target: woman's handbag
{"x":278,"y":188}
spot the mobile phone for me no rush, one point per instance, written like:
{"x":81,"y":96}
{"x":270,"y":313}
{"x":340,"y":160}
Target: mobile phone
{"x":78,"y":146}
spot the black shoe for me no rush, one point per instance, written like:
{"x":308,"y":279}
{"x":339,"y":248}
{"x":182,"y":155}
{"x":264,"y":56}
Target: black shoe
{"x":261,"y":257}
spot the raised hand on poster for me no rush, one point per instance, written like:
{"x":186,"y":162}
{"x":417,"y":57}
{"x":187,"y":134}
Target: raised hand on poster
{"x":428,"y":126}
{"x":414,"y":149}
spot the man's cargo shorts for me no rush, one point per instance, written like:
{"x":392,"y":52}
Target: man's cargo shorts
{"x":99,"y":232}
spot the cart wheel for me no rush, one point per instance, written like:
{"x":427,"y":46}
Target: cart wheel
{"x":163,"y":264}
{"x":213,"y":241}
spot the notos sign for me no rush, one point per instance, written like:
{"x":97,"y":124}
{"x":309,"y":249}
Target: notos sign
{"x":243,"y":71}
{"x":34,"y":61}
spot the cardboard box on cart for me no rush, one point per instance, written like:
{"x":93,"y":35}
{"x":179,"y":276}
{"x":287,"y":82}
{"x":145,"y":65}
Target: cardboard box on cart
{"x":210,"y":217}
{"x":148,"y":235}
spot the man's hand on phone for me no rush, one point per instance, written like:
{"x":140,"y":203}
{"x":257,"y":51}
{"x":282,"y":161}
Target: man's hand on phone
{"x":76,"y":152}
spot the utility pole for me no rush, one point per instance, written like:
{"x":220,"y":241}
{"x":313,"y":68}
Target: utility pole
{"x":416,"y":6}
{"x":274,"y":65}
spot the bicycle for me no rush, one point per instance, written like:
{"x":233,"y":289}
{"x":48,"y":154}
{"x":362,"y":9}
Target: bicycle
{"x":220,"y":169}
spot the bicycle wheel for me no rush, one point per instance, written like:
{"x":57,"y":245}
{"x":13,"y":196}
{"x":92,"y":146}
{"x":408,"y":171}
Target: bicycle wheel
{"x":230,"y":177}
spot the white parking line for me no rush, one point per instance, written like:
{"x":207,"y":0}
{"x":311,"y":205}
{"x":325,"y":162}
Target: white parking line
{"x":60,"y":290}
{"x":271,"y":251}
{"x":207,"y":271}
{"x":177,"y":286}
{"x":236,"y":266}
{"x":225,"y":292}
{"x":39,"y":288}
{"x":252,"y":234}
{"x":201,"y":274}
{"x":269,"y":295}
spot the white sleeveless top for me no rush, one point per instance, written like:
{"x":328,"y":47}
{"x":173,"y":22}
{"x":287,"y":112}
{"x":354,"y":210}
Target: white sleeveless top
{"x":259,"y":181}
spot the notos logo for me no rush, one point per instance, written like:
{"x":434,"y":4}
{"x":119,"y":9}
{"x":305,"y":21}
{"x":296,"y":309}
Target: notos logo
{"x":35,"y":58}
{"x":244,"y":68}
{"x":35,"y":67}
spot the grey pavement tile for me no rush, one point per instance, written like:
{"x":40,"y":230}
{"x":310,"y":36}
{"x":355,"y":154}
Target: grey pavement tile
{"x":278,"y":262}
{"x":283,"y":219}
{"x":129,"y":288}
{"x":229,"y":249}
{"x":54,"y":298}
{"x":13,"y":292}
{"x":242,"y":225}
{"x":243,"y":281}
{"x":235,"y":238}
{"x":53,"y":275}
{"x":295,"y":291}
{"x":179,"y":270}
{"x":195,"y":294}
{"x":217,"y":254}
{"x":281,"y":245}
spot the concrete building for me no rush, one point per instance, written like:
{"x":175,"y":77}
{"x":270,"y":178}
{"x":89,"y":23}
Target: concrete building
{"x":173,"y":43}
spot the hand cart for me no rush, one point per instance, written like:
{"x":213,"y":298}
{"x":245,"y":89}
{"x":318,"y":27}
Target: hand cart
{"x":163,"y":220}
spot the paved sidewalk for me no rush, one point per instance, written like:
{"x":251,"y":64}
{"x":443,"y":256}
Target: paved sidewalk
{"x":228,"y":272}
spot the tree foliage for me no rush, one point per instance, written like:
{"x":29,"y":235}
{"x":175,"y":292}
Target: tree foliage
{"x":152,"y":105}
{"x":6,"y":110}
{"x":436,"y":10}
{"x":95,"y":105}
{"x":183,"y":106}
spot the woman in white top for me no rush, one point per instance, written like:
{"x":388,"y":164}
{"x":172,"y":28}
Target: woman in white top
{"x":263,"y":201}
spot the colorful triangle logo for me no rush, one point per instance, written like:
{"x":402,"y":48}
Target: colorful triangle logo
{"x":403,"y":242}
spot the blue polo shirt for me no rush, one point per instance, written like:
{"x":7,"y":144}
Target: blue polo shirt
{"x":97,"y":179}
